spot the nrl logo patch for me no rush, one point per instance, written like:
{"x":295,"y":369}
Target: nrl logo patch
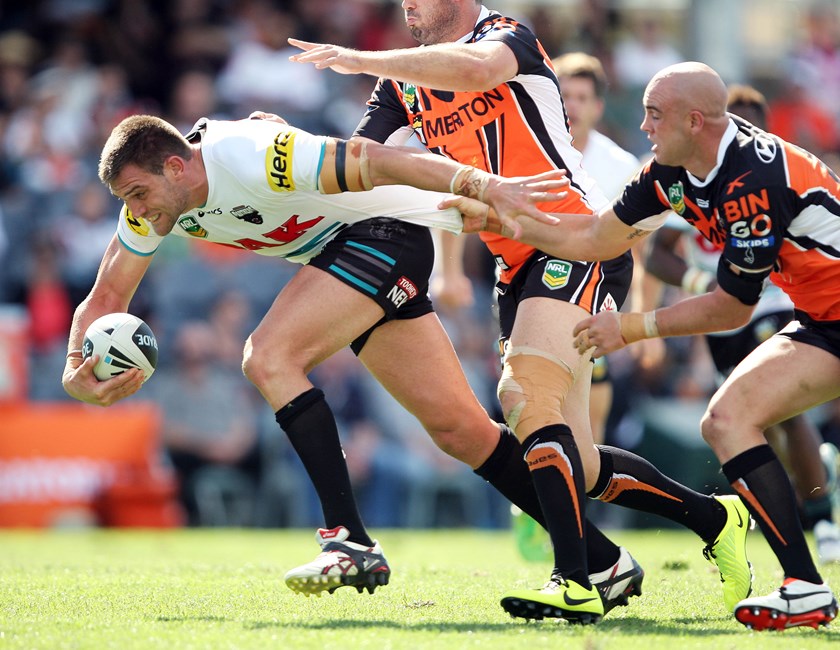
{"x":192,"y":228}
{"x":676,"y":197}
{"x":556,"y":274}
{"x":409,"y":96}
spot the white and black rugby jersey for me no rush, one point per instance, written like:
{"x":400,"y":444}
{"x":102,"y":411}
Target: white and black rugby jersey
{"x":264,"y":196}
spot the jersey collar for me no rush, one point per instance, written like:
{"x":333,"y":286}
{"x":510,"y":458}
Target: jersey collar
{"x":725,"y":141}
{"x":483,"y":14}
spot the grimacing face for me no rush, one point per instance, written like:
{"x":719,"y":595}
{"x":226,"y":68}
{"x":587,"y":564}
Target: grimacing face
{"x":157,"y":198}
{"x":664,"y":125}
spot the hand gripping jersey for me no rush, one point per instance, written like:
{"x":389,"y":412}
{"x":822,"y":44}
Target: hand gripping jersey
{"x":516,"y":129}
{"x":772,"y":207}
{"x":264,"y":195}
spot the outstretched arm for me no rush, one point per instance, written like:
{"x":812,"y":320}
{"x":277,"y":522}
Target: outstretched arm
{"x":359,"y":164}
{"x":712,"y":312}
{"x":570,"y":236}
{"x":445,"y":66}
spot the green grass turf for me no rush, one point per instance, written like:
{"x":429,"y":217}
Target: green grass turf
{"x":224,"y":589}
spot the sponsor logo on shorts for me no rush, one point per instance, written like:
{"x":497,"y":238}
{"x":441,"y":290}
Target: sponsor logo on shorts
{"x":192,"y":228}
{"x":403,"y":291}
{"x":556,"y":274}
{"x":278,"y":163}
{"x":136,"y":224}
{"x":408,"y":286}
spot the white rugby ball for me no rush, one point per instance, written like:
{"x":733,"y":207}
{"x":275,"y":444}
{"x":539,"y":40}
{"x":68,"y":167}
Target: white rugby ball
{"x":122,"y":341}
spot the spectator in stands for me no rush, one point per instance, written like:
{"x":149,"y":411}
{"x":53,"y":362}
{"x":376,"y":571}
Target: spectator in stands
{"x":208,"y":420}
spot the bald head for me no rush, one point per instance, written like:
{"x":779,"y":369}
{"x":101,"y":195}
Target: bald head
{"x":692,"y":86}
{"x":685,"y":116}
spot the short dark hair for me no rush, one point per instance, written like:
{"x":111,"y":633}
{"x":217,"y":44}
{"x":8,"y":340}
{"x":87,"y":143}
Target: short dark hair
{"x":747,"y":102}
{"x":582,"y":65}
{"x":142,"y":140}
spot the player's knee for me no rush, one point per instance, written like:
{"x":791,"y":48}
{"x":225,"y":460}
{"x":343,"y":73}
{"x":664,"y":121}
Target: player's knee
{"x":259,"y":363}
{"x":714,"y":426}
{"x":532,"y":390}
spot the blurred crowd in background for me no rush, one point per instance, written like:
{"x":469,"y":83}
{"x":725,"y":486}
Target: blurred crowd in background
{"x":71,"y":69}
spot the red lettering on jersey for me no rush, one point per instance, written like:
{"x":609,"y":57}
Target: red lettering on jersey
{"x":254,"y":245}
{"x":291,"y":229}
{"x":732,"y":211}
{"x":746,"y":206}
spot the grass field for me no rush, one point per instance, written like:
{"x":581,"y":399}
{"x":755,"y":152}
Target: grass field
{"x":224,"y":589}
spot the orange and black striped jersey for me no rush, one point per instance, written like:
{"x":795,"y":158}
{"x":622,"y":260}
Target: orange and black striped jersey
{"x":772,"y":207}
{"x":516,"y":129}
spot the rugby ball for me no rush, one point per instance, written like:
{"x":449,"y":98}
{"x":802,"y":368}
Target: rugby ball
{"x":122,"y":341}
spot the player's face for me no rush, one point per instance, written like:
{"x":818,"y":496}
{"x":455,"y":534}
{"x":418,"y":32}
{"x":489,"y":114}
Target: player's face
{"x":666,"y":126}
{"x":431,"y":21}
{"x":583,"y":106}
{"x":157,"y":198}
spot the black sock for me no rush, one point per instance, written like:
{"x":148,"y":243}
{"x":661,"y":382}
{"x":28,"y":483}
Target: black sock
{"x":763,"y":484}
{"x":629,"y":480}
{"x":311,"y":427}
{"x":506,"y":471}
{"x":557,"y":471}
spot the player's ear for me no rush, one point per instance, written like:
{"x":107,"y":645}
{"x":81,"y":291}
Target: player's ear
{"x":175,"y":165}
{"x":696,"y":120}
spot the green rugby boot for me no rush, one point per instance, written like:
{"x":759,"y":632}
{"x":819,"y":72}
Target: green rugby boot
{"x":729,"y":552}
{"x":559,"y":598}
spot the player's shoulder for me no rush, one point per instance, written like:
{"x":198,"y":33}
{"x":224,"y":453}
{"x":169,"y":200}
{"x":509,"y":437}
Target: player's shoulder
{"x":498,"y":24}
{"x":755,"y":149}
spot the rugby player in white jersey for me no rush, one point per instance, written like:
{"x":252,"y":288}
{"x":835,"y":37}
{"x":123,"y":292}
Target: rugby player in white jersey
{"x":267,"y":187}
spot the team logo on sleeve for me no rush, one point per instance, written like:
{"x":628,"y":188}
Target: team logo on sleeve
{"x":556,"y":274}
{"x":676,"y":197}
{"x":190,"y":226}
{"x":136,"y":224}
{"x":278,"y":163}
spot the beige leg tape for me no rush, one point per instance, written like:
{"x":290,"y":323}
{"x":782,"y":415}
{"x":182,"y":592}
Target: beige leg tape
{"x":533,"y":388}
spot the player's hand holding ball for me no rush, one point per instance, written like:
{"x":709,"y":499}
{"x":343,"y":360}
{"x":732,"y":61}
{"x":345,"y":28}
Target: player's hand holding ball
{"x":118,"y":355}
{"x":121,"y":341}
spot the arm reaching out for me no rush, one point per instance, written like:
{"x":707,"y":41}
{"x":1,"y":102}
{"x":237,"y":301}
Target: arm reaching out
{"x":712,"y":312}
{"x":445,"y":66}
{"x":359,"y":164}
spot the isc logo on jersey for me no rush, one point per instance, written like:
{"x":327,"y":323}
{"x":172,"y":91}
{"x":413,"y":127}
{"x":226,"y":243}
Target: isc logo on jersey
{"x":402,"y":291}
{"x":136,"y":224}
{"x":278,"y":163}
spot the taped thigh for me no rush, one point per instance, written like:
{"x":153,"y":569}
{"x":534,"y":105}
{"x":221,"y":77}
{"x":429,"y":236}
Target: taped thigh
{"x":533,"y":388}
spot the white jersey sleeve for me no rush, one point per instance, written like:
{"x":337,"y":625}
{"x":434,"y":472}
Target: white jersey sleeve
{"x":136,"y":234}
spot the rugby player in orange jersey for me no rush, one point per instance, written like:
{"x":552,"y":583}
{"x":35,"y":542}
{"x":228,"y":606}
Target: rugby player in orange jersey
{"x":774,"y":209}
{"x":482,"y":91}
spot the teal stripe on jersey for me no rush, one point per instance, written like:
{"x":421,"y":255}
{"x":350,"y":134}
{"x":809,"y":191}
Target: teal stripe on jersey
{"x":362,"y":285}
{"x":316,"y":241}
{"x":373,"y":252}
{"x":320,"y":164}
{"x":133,"y":250}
